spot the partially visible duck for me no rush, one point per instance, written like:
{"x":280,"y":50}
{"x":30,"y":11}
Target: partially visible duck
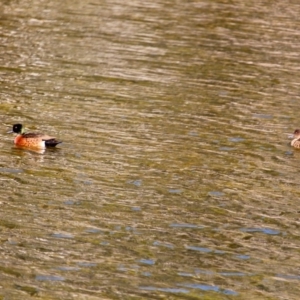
{"x":296,"y":139}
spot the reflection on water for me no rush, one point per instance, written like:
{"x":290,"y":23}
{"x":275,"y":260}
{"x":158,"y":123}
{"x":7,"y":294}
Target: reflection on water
{"x":30,"y":150}
{"x":175,"y":178}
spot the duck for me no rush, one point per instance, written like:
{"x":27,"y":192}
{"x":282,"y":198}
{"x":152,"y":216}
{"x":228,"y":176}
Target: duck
{"x":296,"y":139}
{"x":32,"y":140}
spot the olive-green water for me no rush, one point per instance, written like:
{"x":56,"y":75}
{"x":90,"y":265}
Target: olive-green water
{"x":175,"y":179}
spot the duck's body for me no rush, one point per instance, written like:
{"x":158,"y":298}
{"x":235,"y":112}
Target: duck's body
{"x":33,"y":140}
{"x":296,"y":139}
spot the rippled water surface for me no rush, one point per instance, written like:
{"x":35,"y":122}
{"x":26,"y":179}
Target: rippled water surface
{"x":175,"y":179}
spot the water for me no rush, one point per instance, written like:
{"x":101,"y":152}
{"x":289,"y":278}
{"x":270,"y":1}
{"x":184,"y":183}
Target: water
{"x":175,"y":178}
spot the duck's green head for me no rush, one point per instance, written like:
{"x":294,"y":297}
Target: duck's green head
{"x":18,"y":128}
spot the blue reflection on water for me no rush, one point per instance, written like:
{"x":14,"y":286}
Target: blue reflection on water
{"x":243,"y":256}
{"x":49,"y":278}
{"x":147,"y":261}
{"x":167,"y":245}
{"x":66,"y":268}
{"x":232,"y":274}
{"x":185,"y":225}
{"x":297,"y":277}
{"x":236,"y":139}
{"x":205,"y":287}
{"x":137,"y":182}
{"x":205,"y":250}
{"x":226,"y":148}
{"x":262,"y":230}
{"x":167,"y":290}
{"x":63,"y":235}
{"x":87,"y":264}
{"x":175,"y":191}
{"x":216,"y":194}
